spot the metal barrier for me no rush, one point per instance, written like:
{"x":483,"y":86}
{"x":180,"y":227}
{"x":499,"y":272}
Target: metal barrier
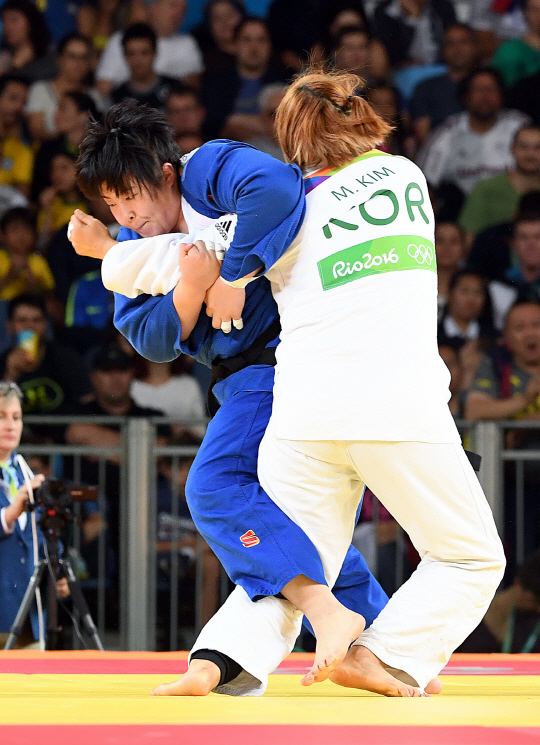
{"x":139,"y":454}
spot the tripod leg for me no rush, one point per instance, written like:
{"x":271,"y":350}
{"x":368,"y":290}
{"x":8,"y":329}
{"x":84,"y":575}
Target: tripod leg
{"x":80,"y":604}
{"x":26,"y":604}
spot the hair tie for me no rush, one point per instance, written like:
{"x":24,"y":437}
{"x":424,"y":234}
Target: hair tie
{"x":115,"y":131}
{"x":346,"y":109}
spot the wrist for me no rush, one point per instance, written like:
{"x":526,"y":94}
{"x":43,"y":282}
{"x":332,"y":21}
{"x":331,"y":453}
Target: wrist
{"x":106,"y":246}
{"x":187,"y":292}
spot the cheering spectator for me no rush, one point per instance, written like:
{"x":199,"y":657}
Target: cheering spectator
{"x":140,"y":43}
{"x":61,"y":198}
{"x":437,"y":98}
{"x":231,"y":97}
{"x":21,"y":268}
{"x":184,"y":113}
{"x":53,"y":378}
{"x":475,"y":144}
{"x":507,"y":383}
{"x":74,"y":58}
{"x":520,"y":58}
{"x":99,"y":19}
{"x":450,"y":251}
{"x":412,"y":30}
{"x":215,"y":35}
{"x":178,"y":55}
{"x":25,"y":42}
{"x":17,"y":155}
{"x":72,"y":116}
{"x":495,"y":200}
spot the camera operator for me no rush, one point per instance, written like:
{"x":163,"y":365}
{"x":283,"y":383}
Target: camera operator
{"x":16,"y":543}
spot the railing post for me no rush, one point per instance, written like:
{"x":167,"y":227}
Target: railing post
{"x":138,"y":538}
{"x":487,"y":442}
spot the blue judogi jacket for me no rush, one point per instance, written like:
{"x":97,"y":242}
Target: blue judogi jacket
{"x":268,"y":197}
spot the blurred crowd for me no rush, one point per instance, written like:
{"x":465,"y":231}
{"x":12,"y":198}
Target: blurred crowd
{"x":459,"y":82}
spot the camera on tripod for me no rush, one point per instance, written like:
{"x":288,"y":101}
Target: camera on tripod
{"x":54,"y":499}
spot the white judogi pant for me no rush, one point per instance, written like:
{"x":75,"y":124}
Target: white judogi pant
{"x":433,"y":493}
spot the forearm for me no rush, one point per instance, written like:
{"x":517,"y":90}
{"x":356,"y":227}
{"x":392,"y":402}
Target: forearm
{"x":188,"y":303}
{"x":8,"y":516}
{"x":481,"y":407}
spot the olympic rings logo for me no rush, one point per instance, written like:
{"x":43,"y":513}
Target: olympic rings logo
{"x":421,"y":254}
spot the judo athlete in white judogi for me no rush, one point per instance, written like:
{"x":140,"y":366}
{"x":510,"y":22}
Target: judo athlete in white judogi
{"x":360,"y":397}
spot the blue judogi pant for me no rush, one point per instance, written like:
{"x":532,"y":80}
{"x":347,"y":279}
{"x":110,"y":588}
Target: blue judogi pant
{"x":260,"y":548}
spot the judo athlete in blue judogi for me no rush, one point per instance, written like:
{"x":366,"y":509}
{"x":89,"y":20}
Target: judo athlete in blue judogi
{"x":260,"y":548}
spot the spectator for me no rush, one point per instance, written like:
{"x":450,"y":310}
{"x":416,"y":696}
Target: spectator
{"x":525,"y":96}
{"x":412,"y":32}
{"x":512,"y":621}
{"x":73,"y":113}
{"x":344,"y":14}
{"x":435,"y":99}
{"x":184,"y":111}
{"x":385,"y":100}
{"x":16,"y":542}
{"x":495,"y":200}
{"x":168,"y":387}
{"x":22,"y":269}
{"x":451,"y":358}
{"x":466,"y":324}
{"x":139,"y":43}
{"x":295,"y":26}
{"x":507,"y":383}
{"x":450,"y":252}
{"x":215,"y":35}
{"x":269,"y":99}
{"x":53,"y":378}
{"x":89,"y":309}
{"x":25,"y":42}
{"x":520,"y":58}
{"x":475,"y":144}
{"x":231,"y":97}
{"x":61,"y":198}
{"x":112,"y":376}
{"x":74,"y":58}
{"x":521,"y":282}
{"x":494,"y":22}
{"x":178,"y":55}
{"x":17,"y":155}
{"x":352,"y":52}
{"x":490,"y":254}
{"x":99,"y":19}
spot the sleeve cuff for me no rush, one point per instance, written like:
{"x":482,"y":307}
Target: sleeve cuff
{"x":3,"y":521}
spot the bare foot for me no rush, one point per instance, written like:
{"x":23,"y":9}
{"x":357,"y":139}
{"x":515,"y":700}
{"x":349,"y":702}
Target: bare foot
{"x":335,"y":630}
{"x":362,"y":669}
{"x":434,"y":686}
{"x":201,"y":678}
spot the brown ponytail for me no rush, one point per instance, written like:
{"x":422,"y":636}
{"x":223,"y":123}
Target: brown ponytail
{"x":321,"y":122}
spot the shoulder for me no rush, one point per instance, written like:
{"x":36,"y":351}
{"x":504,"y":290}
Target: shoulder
{"x":512,"y":118}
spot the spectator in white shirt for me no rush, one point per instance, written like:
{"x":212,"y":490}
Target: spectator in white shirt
{"x":178,"y":55}
{"x":475,"y":144}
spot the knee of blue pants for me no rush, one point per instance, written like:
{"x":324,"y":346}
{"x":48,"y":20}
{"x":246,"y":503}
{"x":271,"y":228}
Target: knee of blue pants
{"x":357,"y":589}
{"x":260,"y":548}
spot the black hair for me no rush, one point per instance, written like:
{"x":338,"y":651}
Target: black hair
{"x":179,"y":88}
{"x":525,"y":128}
{"x":466,"y":83}
{"x":458,"y":276}
{"x":35,"y":301}
{"x":251,"y":19}
{"x":462,"y":26}
{"x":39,"y":33}
{"x":239,"y":6}
{"x":530,"y":215}
{"x":528,"y":574}
{"x":346,"y":31}
{"x":68,"y":38}
{"x":83,"y":102}
{"x":130,"y":146}
{"x":18,"y":214}
{"x":5,"y":80}
{"x":519,"y":304}
{"x":140,"y":31}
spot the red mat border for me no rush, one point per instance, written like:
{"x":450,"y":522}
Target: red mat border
{"x":264,"y":735}
{"x":175,"y":663}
